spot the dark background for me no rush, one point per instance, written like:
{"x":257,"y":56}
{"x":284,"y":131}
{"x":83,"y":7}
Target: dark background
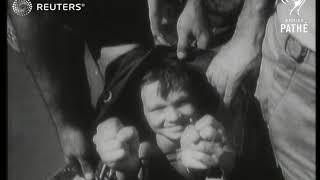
{"x":33,"y":149}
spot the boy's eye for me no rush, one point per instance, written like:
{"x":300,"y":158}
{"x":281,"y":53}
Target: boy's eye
{"x":182,"y":103}
{"x":157,"y":108}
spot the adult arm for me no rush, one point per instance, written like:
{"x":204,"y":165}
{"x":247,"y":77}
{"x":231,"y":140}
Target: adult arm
{"x":53,"y":55}
{"x":243,"y":52}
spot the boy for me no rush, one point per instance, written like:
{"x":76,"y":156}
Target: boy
{"x":187,"y":142}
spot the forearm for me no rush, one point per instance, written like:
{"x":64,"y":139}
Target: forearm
{"x":252,"y":20}
{"x":54,"y":59}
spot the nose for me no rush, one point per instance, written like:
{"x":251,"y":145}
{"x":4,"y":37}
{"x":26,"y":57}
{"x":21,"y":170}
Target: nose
{"x":172,"y":115}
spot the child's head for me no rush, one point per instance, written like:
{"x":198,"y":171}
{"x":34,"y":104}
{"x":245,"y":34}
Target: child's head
{"x":172,"y":94}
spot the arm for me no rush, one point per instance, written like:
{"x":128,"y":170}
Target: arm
{"x":253,"y":19}
{"x":192,"y":26}
{"x":54,"y":59}
{"x":163,"y":20}
{"x":243,"y":52}
{"x":205,"y":23}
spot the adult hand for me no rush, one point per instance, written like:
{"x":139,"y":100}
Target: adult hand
{"x":77,"y":148}
{"x":192,"y":25}
{"x":157,"y":13}
{"x":231,"y":64}
{"x":118,"y":146}
{"x":202,"y":144}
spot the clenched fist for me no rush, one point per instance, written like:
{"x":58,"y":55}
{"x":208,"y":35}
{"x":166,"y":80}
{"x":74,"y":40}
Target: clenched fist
{"x":202,"y":144}
{"x":117,"y":145}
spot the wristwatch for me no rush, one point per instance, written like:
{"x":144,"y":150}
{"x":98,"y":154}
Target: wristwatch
{"x":106,"y":173}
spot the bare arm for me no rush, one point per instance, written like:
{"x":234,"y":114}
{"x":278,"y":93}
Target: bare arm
{"x":242,"y":53}
{"x":54,"y":57}
{"x":253,"y":19}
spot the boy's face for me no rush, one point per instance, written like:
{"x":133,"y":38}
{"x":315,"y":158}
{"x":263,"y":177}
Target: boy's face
{"x":167,"y":117}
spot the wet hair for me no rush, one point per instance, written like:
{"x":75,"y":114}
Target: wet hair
{"x":175,"y":76}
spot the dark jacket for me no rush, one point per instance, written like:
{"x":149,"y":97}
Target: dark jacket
{"x":248,"y":131}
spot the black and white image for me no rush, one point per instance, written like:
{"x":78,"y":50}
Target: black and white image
{"x":161,"y":89}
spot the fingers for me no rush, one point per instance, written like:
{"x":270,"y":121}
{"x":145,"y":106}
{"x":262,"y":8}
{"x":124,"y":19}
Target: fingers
{"x":230,"y":91}
{"x":208,"y":133}
{"x":155,"y":23}
{"x":183,"y":40}
{"x":207,"y":160}
{"x":217,"y":149}
{"x":190,"y":136}
{"x":160,"y":39}
{"x":126,"y":137}
{"x":109,"y":128}
{"x":155,"y":17}
{"x":192,"y":163}
{"x":126,"y":134}
{"x":216,"y":76}
{"x":67,"y":159}
{"x":121,"y":151}
{"x":220,"y":83}
{"x":207,"y":129}
{"x":203,"y":41}
{"x":129,"y":137}
{"x":204,"y":121}
{"x":87,"y":169}
{"x":109,"y":145}
{"x":198,"y":160}
{"x":110,"y":157}
{"x":204,"y":146}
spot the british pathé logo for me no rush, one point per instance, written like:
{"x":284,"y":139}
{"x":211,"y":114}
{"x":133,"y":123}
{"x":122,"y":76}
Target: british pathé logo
{"x":22,"y":7}
{"x":296,"y":5}
{"x":294,"y":24}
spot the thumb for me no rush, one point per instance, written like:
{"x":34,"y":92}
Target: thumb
{"x":87,"y":169}
{"x":67,"y":159}
{"x":230,"y":91}
{"x":190,"y":136}
{"x":182,"y":43}
{"x":203,"y":41}
{"x":130,"y":136}
{"x":160,"y":39}
{"x":127,"y":134}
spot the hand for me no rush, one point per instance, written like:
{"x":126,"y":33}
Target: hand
{"x":158,"y":14}
{"x":192,"y":25}
{"x":231,"y":64}
{"x":12,"y":35}
{"x":76,"y":147}
{"x":118,"y":146}
{"x":202,"y":143}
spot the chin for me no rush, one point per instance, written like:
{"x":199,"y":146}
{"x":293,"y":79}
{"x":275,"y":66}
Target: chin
{"x":174,"y":136}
